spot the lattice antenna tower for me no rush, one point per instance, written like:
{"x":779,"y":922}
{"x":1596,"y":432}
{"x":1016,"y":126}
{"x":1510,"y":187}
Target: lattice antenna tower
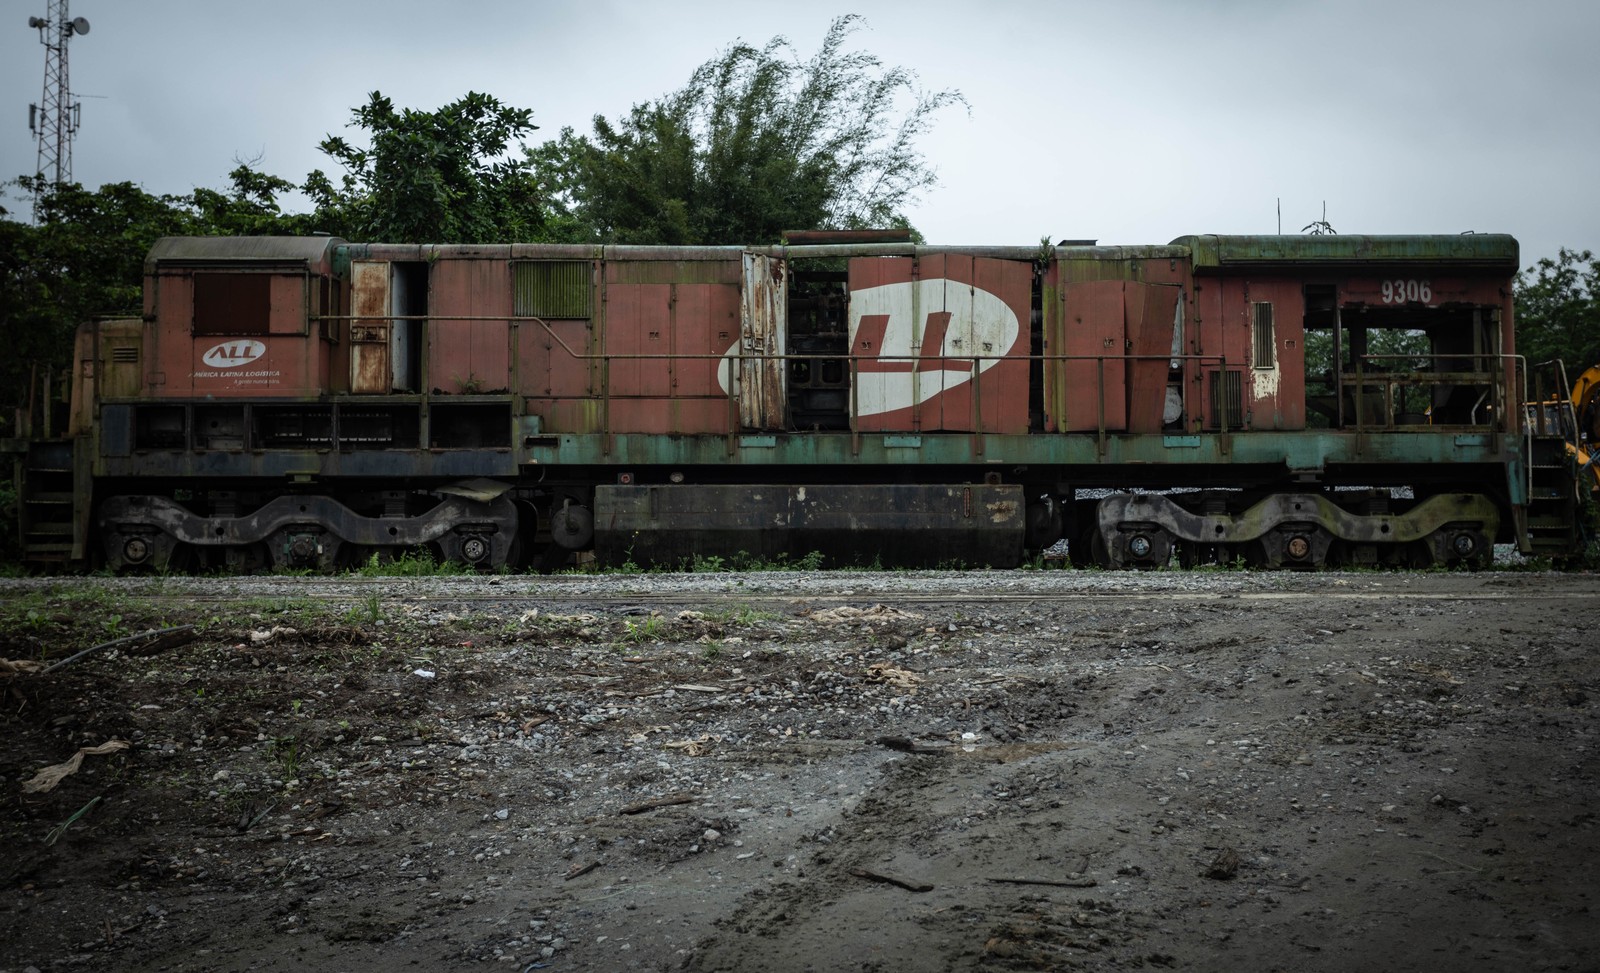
{"x":54,"y":120}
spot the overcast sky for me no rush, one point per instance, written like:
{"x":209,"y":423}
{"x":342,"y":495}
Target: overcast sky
{"x":1134,"y":121}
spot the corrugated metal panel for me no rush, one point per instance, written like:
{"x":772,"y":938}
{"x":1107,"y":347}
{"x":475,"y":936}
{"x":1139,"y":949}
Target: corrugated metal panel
{"x":553,"y":289}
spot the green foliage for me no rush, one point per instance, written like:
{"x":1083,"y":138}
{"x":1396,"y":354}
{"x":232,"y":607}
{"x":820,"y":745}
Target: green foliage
{"x":1558,"y":310}
{"x":652,"y":629}
{"x":83,"y":259}
{"x":61,"y":829}
{"x":250,"y":208}
{"x":445,"y":176}
{"x":706,"y":564}
{"x":409,"y":564}
{"x":756,"y":143}
{"x":285,"y":752}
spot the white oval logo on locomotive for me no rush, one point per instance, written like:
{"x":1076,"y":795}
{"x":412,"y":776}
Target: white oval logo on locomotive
{"x":232,"y":354}
{"x":927,"y":337}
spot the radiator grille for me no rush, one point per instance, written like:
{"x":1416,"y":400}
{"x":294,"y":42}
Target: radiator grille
{"x":553,"y":289}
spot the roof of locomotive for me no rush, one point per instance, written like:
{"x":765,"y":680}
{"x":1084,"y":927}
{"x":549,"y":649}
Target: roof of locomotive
{"x":314,"y":251}
{"x":1486,"y":250}
{"x":1209,"y":252}
{"x":613,"y":251}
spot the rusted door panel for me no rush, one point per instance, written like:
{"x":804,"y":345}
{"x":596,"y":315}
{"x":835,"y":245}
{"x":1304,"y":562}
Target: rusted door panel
{"x":371,"y":327}
{"x":704,"y":327}
{"x":469,"y":345}
{"x":169,"y":360}
{"x":1275,"y":393}
{"x":1215,"y":338}
{"x":763,"y":336}
{"x":996,"y":310}
{"x":120,"y":370}
{"x":1150,"y":311}
{"x":883,"y":306}
{"x":1094,"y":386}
{"x":558,"y":386}
{"x":567,"y":376}
{"x":638,"y":323}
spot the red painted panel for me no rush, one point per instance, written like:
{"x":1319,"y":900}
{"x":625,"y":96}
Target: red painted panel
{"x":870,"y":333}
{"x":547,"y":366}
{"x":913,"y":326}
{"x":638,"y":322}
{"x":465,"y":355}
{"x":1149,"y":310}
{"x":170,"y":359}
{"x":262,"y":366}
{"x":284,"y":362}
{"x":705,"y":325}
{"x":287,"y":314}
{"x":1002,"y":385}
{"x":1094,"y":376}
{"x":1274,"y":397}
{"x":665,"y":342}
{"x":1216,"y":335}
{"x":670,"y":416}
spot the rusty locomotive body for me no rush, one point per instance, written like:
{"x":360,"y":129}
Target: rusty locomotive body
{"x":307,"y":402}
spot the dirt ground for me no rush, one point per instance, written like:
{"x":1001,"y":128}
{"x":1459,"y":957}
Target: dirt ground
{"x":940,"y":771}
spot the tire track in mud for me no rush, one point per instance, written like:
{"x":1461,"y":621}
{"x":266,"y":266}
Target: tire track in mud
{"x":955,"y":822}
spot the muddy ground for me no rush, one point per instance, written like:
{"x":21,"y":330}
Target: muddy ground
{"x":1020,"y":771}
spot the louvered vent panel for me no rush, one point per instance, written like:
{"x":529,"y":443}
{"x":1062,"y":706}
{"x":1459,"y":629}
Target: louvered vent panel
{"x":553,"y":289}
{"x":1227,"y":400}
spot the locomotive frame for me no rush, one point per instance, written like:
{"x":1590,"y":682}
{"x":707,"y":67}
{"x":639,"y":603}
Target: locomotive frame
{"x":311,"y":403}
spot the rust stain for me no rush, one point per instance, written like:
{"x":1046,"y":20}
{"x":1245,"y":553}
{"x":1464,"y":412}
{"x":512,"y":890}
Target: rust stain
{"x":369,"y":332}
{"x":1002,"y":511}
{"x":761,"y":385}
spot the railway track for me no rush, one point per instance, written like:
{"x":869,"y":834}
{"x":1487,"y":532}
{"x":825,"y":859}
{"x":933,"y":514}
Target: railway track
{"x":820,"y":591}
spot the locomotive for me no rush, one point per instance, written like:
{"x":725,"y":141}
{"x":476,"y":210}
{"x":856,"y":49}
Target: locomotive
{"x":1291,"y":401}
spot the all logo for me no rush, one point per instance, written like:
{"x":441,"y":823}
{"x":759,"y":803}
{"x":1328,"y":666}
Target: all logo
{"x":232,"y":354}
{"x":916,"y":340}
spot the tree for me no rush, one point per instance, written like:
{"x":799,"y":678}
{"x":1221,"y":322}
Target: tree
{"x":251,"y":208}
{"x":432,"y":177}
{"x":756,"y":143}
{"x":1558,"y":310}
{"x":84,"y":259}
